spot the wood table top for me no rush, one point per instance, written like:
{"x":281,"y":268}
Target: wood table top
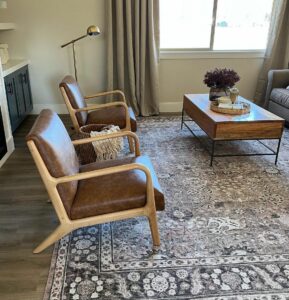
{"x":257,"y":113}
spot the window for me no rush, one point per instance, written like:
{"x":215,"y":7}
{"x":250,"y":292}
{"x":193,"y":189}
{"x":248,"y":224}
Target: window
{"x":238,"y":25}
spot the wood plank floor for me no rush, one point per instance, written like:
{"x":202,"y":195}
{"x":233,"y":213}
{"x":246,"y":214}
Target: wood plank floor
{"x":26,"y":218}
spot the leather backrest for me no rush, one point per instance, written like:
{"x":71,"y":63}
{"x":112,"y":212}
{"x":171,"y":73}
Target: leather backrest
{"x":57,"y":151}
{"x":75,"y":97}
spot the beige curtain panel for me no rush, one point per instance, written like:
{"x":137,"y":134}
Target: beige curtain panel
{"x":276,"y":55}
{"x":133,"y":52}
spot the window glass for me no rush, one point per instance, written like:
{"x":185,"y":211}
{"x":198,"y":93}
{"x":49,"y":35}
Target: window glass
{"x":186,"y":23}
{"x":242,"y":25}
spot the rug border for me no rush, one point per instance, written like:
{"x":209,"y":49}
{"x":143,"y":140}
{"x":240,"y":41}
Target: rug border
{"x":51,"y":272}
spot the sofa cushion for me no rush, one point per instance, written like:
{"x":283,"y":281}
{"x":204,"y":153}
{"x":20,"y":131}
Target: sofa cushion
{"x":280,"y":96}
{"x":279,"y":110}
{"x":114,"y":115}
{"x":115,"y":192}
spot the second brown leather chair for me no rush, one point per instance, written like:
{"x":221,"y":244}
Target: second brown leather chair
{"x":116,"y":113}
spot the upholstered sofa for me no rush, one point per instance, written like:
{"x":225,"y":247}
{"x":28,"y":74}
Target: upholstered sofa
{"x":277,"y":96}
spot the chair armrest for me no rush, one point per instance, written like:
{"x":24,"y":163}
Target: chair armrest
{"x":100,"y":106}
{"x":111,"y":136}
{"x":119,"y":92}
{"x":114,"y":170}
{"x":276,"y":79}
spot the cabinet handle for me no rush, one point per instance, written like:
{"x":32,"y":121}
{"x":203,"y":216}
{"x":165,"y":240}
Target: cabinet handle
{"x":9,"y":88}
{"x":23,"y":78}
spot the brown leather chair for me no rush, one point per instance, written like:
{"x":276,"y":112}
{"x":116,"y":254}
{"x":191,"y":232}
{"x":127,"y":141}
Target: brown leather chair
{"x":94,"y":193}
{"x":116,"y":113}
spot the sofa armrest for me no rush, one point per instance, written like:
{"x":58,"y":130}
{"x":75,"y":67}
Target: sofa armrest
{"x":276,"y":79}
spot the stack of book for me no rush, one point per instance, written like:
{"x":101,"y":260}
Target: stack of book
{"x":225,"y":102}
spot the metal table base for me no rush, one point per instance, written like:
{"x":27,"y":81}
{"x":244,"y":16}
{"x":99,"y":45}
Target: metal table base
{"x":211,"y":150}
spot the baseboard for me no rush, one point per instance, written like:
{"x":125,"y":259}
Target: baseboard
{"x":58,"y":108}
{"x":61,"y":108}
{"x":167,"y":107}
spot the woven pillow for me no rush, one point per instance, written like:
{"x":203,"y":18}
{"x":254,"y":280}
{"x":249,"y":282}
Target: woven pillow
{"x":108,"y":148}
{"x":89,"y":153}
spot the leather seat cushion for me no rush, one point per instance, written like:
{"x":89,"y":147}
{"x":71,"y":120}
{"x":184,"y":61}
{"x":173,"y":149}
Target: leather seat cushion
{"x":280,"y":96}
{"x":116,"y":192}
{"x":112,"y":115}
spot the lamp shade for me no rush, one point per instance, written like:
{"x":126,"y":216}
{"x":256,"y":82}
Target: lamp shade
{"x":93,"y":30}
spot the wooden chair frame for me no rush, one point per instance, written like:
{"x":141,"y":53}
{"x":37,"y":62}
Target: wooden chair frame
{"x":72,"y":111}
{"x":66,"y":224}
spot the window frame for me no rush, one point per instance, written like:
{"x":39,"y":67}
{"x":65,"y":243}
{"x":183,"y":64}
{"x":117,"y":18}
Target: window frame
{"x":186,"y":53}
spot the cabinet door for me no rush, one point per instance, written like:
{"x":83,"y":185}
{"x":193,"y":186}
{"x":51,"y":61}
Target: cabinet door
{"x":27,"y":91}
{"x":19,"y":97}
{"x":24,"y":90}
{"x":12,"y":101}
{"x":18,"y":76}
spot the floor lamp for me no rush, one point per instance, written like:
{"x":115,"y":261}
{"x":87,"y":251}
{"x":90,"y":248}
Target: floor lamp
{"x":91,"y":30}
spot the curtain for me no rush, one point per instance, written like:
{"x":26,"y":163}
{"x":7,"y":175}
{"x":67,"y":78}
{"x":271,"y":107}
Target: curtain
{"x":276,"y":56}
{"x":133,"y":52}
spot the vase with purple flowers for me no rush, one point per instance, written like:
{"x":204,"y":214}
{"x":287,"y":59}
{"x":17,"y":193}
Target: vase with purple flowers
{"x":220,"y":81}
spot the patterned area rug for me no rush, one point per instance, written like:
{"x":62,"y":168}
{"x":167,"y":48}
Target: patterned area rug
{"x":224,"y":233}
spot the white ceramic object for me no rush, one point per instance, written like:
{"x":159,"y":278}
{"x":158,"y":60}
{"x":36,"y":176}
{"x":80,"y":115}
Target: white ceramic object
{"x":4,"y":53}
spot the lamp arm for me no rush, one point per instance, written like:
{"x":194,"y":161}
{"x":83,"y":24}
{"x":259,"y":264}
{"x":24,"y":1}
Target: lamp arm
{"x":73,"y":41}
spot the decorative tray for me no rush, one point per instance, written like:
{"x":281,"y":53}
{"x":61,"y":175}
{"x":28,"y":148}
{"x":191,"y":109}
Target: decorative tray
{"x":230,"y":111}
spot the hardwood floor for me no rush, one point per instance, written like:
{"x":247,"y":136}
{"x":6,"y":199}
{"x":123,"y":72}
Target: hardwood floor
{"x":26,"y":218}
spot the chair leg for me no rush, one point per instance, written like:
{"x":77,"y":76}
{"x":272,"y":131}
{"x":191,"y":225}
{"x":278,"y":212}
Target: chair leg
{"x":154,"y":230}
{"x":56,"y":235}
{"x":131,"y":144}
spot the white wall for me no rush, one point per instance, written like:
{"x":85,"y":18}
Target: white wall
{"x":43,"y":25}
{"x":181,"y":76}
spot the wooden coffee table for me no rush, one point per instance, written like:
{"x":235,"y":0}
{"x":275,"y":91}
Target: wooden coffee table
{"x":259,"y":124}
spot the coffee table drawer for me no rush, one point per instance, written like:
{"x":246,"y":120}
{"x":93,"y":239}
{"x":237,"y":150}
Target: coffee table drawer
{"x":200,"y":117}
{"x":249,"y":130}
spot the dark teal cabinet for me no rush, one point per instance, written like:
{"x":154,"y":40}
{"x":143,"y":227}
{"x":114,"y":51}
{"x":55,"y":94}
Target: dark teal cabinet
{"x":19,"y":98}
{"x":12,"y":101}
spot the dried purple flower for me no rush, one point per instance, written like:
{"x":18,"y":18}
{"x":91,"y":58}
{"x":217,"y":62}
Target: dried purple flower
{"x":221,"y":78}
